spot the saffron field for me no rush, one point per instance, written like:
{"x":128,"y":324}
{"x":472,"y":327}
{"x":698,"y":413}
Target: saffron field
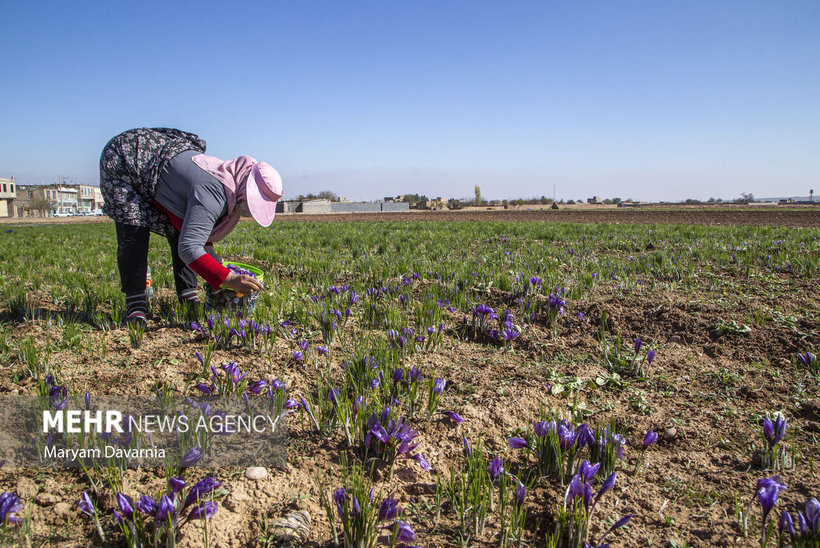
{"x":444,"y":384}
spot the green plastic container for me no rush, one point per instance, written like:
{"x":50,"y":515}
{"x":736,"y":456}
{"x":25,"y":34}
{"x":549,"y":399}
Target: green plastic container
{"x":224,"y":298}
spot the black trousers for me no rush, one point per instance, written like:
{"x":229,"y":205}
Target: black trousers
{"x":132,"y":259}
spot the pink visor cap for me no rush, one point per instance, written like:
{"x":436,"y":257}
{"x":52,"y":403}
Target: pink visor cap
{"x":263,"y":189}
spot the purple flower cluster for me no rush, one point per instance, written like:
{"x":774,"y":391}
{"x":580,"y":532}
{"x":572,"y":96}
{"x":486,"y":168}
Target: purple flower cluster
{"x":135,"y":517}
{"x":10,"y":505}
{"x":388,"y":437}
{"x":228,"y":329}
{"x":356,"y":517}
{"x":807,"y":532}
{"x":240,"y":271}
{"x":556,"y":446}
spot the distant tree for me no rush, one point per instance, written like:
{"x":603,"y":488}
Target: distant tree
{"x":41,"y":204}
{"x":328,"y":195}
{"x":478,"y":199}
{"x":570,"y":202}
{"x":745,"y":198}
{"x":692,"y":201}
{"x":616,"y":200}
{"x":544,"y":200}
{"x":505,"y":203}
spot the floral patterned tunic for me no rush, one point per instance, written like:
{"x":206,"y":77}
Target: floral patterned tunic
{"x":130,"y":166}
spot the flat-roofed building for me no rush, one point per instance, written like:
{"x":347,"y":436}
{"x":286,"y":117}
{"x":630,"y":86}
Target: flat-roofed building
{"x":7,"y":195}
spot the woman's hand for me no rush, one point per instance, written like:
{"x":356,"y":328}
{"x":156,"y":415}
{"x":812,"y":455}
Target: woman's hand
{"x":242,"y":284}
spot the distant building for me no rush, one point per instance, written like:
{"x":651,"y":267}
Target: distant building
{"x":85,"y":198}
{"x":593,"y":200}
{"x":7,"y":195}
{"x":435,"y":204}
{"x":35,"y":201}
{"x":98,"y":199}
{"x":67,"y":200}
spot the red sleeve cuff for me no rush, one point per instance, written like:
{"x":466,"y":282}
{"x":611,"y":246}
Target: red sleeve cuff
{"x":210,"y":270}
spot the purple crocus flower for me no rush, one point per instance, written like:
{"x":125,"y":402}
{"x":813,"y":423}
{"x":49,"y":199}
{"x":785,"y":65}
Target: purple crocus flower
{"x":608,"y":484}
{"x":321,"y":350}
{"x":398,"y":374}
{"x":617,"y":525}
{"x":767,"y":491}
{"x":566,"y":437}
{"x":177,"y":484}
{"x":801,"y":523}
{"x":509,"y":334}
{"x":520,"y":494}
{"x":650,"y":438}
{"x":584,"y":436}
{"x":147,"y":506}
{"x":517,"y":443}
{"x":200,"y":489}
{"x":423,"y":462}
{"x":339,"y":497}
{"x":467,"y":449}
{"x":126,"y":505}
{"x":204,"y":388}
{"x":258,"y":386}
{"x":389,"y":509}
{"x":192,"y":456}
{"x":542,"y":427}
{"x":454,"y":416}
{"x":813,"y":515}
{"x":85,"y":504}
{"x":806,"y":358}
{"x":165,"y":511}
{"x":306,"y":407}
{"x":588,"y":471}
{"x":496,"y":467}
{"x":298,"y":356}
{"x":438,"y":386}
{"x":203,"y":510}
{"x":333,"y":396}
{"x":785,"y":522}
{"x":304,"y":345}
{"x":650,"y":356}
{"x":638,"y":344}
{"x":405,"y":533}
{"x":578,"y":489}
{"x":774,"y":432}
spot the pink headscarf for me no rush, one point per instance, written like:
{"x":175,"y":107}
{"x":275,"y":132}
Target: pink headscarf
{"x":234,"y":176}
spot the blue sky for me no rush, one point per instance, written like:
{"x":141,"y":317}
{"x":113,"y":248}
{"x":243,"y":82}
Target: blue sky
{"x":643,"y":100}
